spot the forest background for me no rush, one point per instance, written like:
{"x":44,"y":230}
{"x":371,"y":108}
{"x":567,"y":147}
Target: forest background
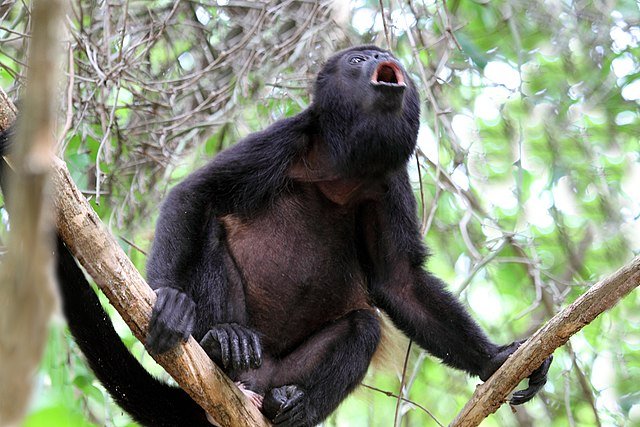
{"x":527,"y":173}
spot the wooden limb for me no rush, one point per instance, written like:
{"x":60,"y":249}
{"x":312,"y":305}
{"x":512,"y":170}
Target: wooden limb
{"x":99,"y":253}
{"x":102,"y":257}
{"x":600,"y":297}
{"x":27,"y":296}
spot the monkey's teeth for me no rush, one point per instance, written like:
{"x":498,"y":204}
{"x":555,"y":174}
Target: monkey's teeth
{"x":383,"y":83}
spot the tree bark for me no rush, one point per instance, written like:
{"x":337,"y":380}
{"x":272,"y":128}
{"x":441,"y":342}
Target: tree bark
{"x":27,"y":297}
{"x":488,"y":397}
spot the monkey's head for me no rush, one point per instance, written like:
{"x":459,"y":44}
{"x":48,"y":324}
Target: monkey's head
{"x":368,"y":110}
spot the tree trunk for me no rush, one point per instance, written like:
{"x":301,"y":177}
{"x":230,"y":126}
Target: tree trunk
{"x":27,"y":297}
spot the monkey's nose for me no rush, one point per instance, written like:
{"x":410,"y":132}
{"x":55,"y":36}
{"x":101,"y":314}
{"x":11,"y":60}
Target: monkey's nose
{"x":381,"y":56}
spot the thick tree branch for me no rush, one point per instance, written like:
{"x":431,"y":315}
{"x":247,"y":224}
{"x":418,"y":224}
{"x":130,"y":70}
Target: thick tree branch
{"x":602,"y":296}
{"x":99,"y":253}
{"x":102,"y":257}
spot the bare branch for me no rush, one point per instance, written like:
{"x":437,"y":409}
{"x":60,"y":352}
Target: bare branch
{"x":602,"y":296}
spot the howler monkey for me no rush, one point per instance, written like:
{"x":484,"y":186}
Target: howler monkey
{"x":278,"y":253}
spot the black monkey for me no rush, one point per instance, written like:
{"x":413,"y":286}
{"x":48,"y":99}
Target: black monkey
{"x":276,"y":255}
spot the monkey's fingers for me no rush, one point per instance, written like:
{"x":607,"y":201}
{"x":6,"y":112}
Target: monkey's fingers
{"x":188,"y":321}
{"x":523,"y":396}
{"x":285,"y":406}
{"x":216,"y":344}
{"x":172,"y":320}
{"x":537,"y":380}
{"x":239,"y":346}
{"x":225,"y":350}
{"x":159,"y":337}
{"x":160,"y":340}
{"x":292,"y":418}
{"x":234,"y":346}
{"x":256,"y":353}
{"x":250,"y":349}
{"x":292,"y":412}
{"x":211,"y":346}
{"x":245,"y":356}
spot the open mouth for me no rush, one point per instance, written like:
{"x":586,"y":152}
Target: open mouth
{"x":388,"y":73}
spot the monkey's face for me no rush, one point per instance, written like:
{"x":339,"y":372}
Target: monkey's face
{"x":368,"y":111}
{"x":379,"y":78}
{"x":366,"y":78}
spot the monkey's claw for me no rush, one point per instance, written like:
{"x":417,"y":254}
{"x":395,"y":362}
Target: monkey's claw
{"x":172,"y":320}
{"x":233,"y":345}
{"x":284,"y":406}
{"x":537,"y":380}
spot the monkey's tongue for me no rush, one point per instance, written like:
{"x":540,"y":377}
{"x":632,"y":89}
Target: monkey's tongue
{"x":388,"y":74}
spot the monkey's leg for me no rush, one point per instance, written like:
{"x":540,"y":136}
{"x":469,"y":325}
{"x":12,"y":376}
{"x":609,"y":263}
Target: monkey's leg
{"x":309,"y":383}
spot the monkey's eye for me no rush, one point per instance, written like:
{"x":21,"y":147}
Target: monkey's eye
{"x":356,"y":59}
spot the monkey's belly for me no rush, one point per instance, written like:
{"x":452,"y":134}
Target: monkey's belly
{"x":299,"y":274}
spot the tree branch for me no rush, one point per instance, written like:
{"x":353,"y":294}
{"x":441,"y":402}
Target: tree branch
{"x":602,"y":296}
{"x":99,"y":253}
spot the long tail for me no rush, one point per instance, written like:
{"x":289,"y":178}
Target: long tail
{"x":148,"y":400}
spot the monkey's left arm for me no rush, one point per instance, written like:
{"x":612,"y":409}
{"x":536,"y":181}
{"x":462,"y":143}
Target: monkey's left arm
{"x":418,"y":302}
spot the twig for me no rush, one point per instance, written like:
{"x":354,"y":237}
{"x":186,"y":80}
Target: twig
{"x":402,"y":379}
{"x":384,"y":23}
{"x":411,"y":402}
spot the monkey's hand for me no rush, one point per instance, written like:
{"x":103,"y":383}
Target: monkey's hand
{"x":537,"y":379}
{"x":172,"y":320}
{"x":233,"y":346}
{"x":284,"y":406}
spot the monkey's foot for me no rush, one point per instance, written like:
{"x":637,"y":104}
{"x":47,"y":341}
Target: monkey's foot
{"x":233,"y":346}
{"x":284,"y":406}
{"x":255,"y":398}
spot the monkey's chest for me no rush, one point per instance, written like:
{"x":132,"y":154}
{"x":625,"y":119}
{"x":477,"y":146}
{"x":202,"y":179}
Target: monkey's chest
{"x":300,"y":268}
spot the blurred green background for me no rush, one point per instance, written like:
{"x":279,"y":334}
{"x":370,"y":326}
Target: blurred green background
{"x":527,"y":173}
